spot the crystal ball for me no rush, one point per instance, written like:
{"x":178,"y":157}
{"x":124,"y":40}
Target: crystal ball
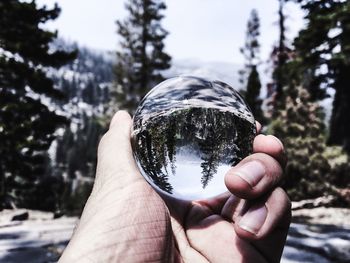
{"x":187,"y":133}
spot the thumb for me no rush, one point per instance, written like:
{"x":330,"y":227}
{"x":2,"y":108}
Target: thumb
{"x":124,"y":220}
{"x":116,"y":166}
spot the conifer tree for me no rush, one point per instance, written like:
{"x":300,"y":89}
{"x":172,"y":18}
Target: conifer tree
{"x":252,"y":94}
{"x":249,"y":76}
{"x":307,"y":170}
{"x":323,"y":49}
{"x":281,"y":55}
{"x":76,"y":160}
{"x":27,"y":125}
{"x":142,"y":57}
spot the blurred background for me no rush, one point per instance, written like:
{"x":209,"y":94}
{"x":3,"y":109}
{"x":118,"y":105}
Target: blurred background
{"x":67,"y":66}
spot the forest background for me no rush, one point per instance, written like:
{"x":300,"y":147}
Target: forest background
{"x":56,"y":96}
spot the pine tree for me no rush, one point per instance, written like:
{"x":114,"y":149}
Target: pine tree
{"x":281,"y":55}
{"x":323,"y":49}
{"x":27,"y":125}
{"x":252,"y":95}
{"x":142,"y":57}
{"x":307,"y":171}
{"x":250,"y":75}
{"x":75,"y":158}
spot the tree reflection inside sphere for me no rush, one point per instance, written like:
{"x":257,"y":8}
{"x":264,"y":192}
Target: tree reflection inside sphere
{"x":187,"y":133}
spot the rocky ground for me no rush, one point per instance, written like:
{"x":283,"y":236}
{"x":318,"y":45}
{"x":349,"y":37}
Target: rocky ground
{"x":39,"y":238}
{"x":319,"y":235}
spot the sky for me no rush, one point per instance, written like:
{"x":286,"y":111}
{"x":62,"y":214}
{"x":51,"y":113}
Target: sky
{"x":207,"y":30}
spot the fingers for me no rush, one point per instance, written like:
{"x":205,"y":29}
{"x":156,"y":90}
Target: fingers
{"x":254,"y":176}
{"x":265,"y":216}
{"x":260,"y":172}
{"x":271,"y":232}
{"x":263,"y":222}
{"x":270,"y":145}
{"x":260,"y":210}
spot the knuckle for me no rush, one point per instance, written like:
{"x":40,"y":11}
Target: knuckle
{"x":283,"y":196}
{"x":272,"y":166}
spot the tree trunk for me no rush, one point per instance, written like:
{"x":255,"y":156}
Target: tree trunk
{"x":340,"y":120}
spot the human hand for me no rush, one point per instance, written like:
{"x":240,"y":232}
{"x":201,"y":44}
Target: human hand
{"x":125,"y":220}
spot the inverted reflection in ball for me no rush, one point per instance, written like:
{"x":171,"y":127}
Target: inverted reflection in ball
{"x":187,"y":133}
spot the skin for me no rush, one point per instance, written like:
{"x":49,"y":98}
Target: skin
{"x":125,"y":220}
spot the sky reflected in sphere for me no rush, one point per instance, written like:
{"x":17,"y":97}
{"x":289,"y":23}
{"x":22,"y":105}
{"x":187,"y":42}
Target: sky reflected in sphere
{"x":187,"y":133}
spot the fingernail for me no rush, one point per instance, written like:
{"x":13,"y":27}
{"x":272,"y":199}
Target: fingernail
{"x":251,"y":172}
{"x":253,"y":219}
{"x":277,"y":140}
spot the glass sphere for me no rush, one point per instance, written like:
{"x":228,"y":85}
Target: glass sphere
{"x":187,"y":133}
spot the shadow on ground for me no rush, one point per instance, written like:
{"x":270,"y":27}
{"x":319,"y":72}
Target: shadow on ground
{"x":35,"y":240}
{"x":44,"y":240}
{"x":317,"y":243}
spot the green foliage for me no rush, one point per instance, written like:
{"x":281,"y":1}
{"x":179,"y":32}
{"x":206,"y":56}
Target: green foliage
{"x":75,"y":160}
{"x":300,"y":127}
{"x":27,"y":125}
{"x":251,"y":48}
{"x":86,"y":81}
{"x":340,"y":166}
{"x":76,"y":150}
{"x":249,"y":76}
{"x":314,"y":169}
{"x":142,"y":57}
{"x":74,"y":197}
{"x":252,"y":95}
{"x":323,"y":48}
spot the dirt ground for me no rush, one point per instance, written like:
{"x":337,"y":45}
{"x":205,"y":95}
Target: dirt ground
{"x":319,"y":235}
{"x":327,"y":216}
